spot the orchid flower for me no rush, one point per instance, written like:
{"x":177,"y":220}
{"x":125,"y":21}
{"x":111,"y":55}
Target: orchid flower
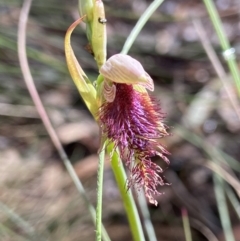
{"x":132,"y":120}
{"x":128,"y":117}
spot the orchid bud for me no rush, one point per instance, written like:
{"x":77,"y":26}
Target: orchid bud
{"x":86,"y":8}
{"x":98,"y":38}
{"x":123,"y":69}
{"x":95,"y":27}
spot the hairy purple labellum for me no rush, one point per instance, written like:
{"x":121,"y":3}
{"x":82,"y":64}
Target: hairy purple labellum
{"x":133,"y":121}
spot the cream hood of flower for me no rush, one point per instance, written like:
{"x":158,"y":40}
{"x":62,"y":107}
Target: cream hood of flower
{"x":123,"y":69}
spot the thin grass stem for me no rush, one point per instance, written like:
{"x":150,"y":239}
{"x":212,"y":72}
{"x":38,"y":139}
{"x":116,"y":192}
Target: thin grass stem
{"x":216,"y":64}
{"x":216,"y":157}
{"x":186,"y":225}
{"x":203,"y":229}
{"x":224,"y":174}
{"x":140,"y":24}
{"x":233,"y":199}
{"x":99,"y":194}
{"x":222,"y":207}
{"x":228,"y":52}
{"x":210,"y":150}
{"x":20,"y":222}
{"x":6,"y":232}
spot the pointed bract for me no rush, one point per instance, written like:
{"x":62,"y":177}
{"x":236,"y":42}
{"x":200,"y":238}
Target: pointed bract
{"x":84,"y":85}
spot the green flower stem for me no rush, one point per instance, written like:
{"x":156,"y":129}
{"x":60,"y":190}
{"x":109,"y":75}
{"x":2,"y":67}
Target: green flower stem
{"x":140,"y":24}
{"x":225,"y":45}
{"x":99,"y":194}
{"x":127,"y":197}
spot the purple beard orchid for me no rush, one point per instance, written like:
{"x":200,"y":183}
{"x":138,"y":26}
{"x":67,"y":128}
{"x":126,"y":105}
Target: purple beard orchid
{"x":132,"y":120}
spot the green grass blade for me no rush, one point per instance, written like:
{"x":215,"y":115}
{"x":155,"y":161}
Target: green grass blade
{"x":186,"y":225}
{"x":140,"y":24}
{"x":222,"y":207}
{"x":228,"y":53}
